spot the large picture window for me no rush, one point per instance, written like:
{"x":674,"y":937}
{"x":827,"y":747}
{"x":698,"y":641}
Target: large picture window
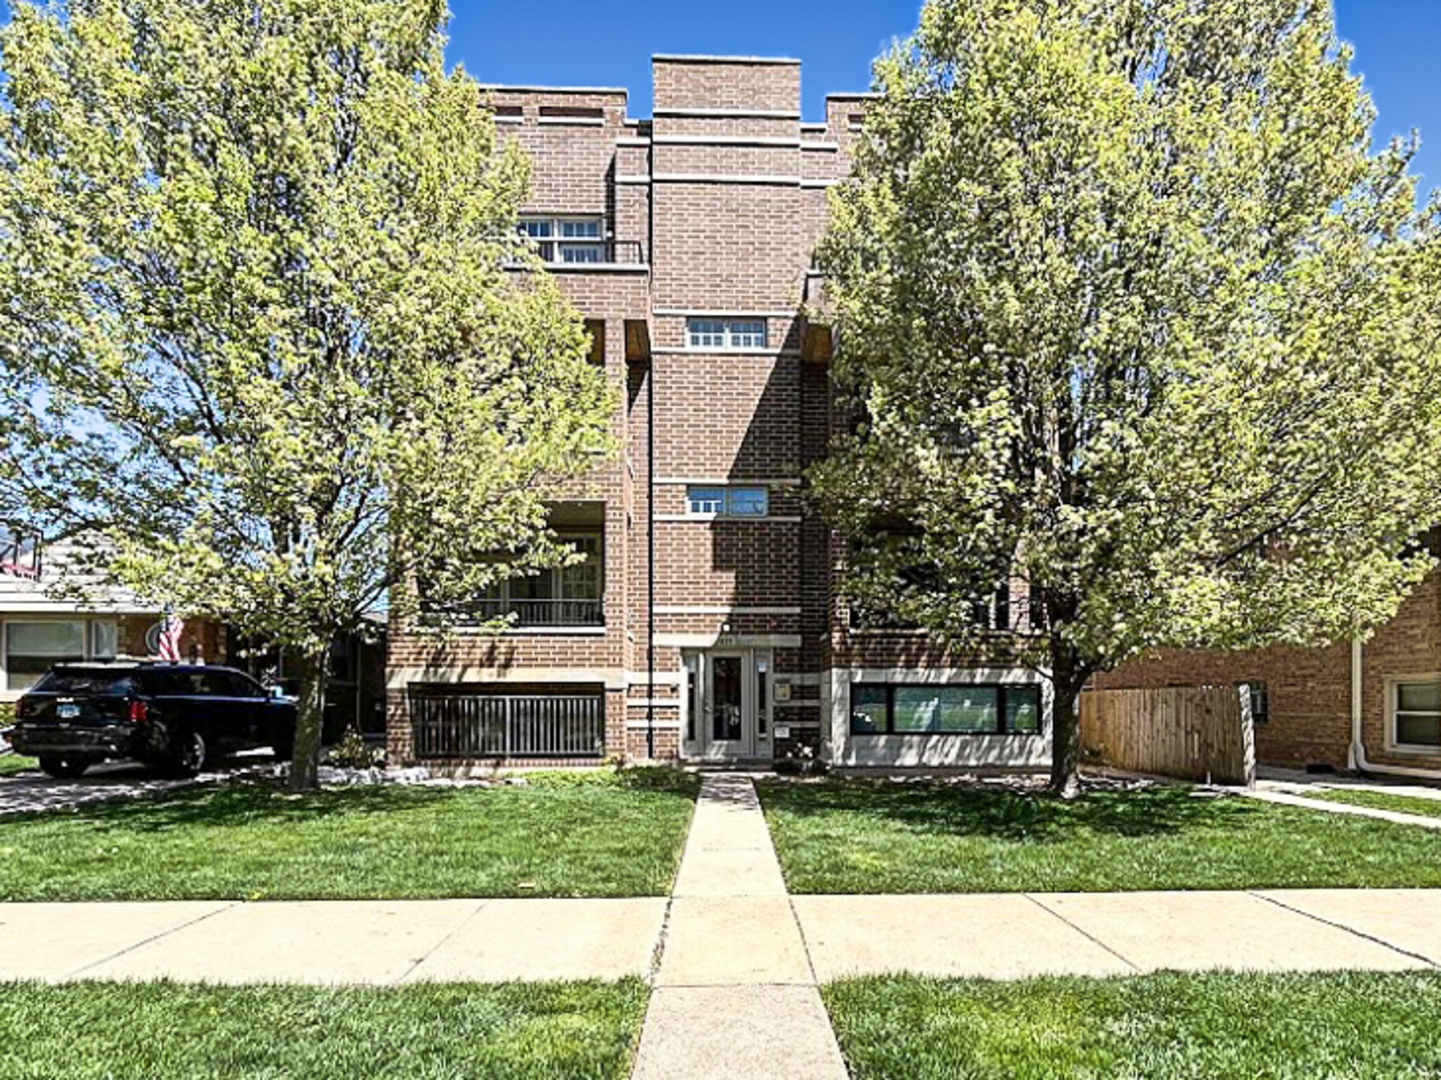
{"x":31,"y":648}
{"x":954,"y":709}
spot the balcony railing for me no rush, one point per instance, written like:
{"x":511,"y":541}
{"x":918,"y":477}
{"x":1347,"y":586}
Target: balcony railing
{"x":579,"y":254}
{"x":461,"y":725}
{"x":562,"y":614}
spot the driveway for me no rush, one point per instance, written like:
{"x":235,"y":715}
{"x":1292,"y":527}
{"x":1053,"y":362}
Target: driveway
{"x":30,"y":791}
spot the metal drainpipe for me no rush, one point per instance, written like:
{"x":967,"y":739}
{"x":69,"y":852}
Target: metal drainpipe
{"x":650,"y":564}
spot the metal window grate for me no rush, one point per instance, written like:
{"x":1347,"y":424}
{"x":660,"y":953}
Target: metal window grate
{"x":471,"y":725}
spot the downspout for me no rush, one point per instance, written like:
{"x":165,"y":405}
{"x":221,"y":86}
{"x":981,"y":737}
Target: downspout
{"x":650,"y":565}
{"x":650,"y":480}
{"x":1356,"y":758}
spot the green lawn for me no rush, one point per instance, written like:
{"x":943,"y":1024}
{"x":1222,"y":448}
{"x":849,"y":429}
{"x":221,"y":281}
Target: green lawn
{"x":1359,"y":1026}
{"x":593,"y":834}
{"x":10,"y":764}
{"x":1381,"y":800}
{"x":110,"y":1031}
{"x":842,"y":836}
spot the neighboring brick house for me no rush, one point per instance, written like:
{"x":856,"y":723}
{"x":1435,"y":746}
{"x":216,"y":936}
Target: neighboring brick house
{"x":40,"y":626}
{"x":705,"y":623}
{"x":1369,"y":705}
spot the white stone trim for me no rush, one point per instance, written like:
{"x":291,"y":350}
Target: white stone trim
{"x":572,"y":121}
{"x":508,"y":119}
{"x":712,"y":640}
{"x":637,"y":178}
{"x":662,"y":678}
{"x":688,"y":351}
{"x":711,"y":313}
{"x":774,"y":519}
{"x":597,"y":268}
{"x":632,"y":140}
{"x":778,"y":141}
{"x":711,"y":481}
{"x":820,"y":183}
{"x":398,"y":678}
{"x":827,"y":147}
{"x":727,"y":178}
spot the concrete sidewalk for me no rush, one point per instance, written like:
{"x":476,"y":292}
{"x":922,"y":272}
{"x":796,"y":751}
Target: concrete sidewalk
{"x":735,"y":995}
{"x":362,"y":942}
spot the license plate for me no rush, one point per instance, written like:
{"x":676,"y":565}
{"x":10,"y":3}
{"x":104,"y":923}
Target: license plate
{"x":67,"y":712}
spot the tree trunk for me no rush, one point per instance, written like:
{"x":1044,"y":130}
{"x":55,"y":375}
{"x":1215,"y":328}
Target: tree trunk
{"x":1066,"y":682}
{"x":309,"y":720}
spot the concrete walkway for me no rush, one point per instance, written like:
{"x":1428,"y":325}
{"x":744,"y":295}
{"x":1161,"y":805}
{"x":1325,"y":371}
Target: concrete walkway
{"x":735,"y":994}
{"x":363,"y":942}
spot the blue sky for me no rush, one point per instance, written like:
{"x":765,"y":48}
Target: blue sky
{"x":590,"y":43}
{"x":609,"y":43}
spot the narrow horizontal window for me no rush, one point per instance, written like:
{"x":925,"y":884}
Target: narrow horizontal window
{"x":734,"y":502}
{"x":727,"y":333}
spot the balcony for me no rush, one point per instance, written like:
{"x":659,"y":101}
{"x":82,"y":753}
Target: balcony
{"x":563,"y":255}
{"x":525,"y":614}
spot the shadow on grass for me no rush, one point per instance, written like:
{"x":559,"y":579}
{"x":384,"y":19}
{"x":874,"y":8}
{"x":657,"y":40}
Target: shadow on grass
{"x":240,"y":804}
{"x":962,"y":811}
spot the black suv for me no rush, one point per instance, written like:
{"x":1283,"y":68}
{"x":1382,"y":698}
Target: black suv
{"x":174,"y":716}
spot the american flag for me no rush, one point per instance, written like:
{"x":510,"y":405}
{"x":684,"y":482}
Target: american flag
{"x":169,"y":643}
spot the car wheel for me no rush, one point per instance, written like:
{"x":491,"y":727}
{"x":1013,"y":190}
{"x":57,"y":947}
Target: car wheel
{"x":63,"y":768}
{"x":189,"y":754}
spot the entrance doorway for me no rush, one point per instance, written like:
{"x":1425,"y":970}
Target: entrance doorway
{"x":727,"y":694}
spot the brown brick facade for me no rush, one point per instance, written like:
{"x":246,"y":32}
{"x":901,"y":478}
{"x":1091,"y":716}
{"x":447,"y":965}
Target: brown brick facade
{"x":713,"y":208}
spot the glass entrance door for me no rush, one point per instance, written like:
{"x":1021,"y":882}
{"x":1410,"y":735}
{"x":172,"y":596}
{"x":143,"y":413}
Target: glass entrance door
{"x":728,"y":698}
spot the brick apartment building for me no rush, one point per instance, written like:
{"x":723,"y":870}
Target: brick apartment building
{"x":704,"y":624}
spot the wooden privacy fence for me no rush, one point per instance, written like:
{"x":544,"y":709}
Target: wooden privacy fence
{"x":1194,"y":733}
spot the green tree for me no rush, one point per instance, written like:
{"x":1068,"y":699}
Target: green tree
{"x":1129,"y":310}
{"x":264,"y":344}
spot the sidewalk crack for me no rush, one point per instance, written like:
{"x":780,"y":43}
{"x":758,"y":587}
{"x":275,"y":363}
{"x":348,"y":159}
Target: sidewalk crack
{"x":1089,"y":937}
{"x":156,"y":937}
{"x":480,"y":905}
{"x":1342,"y":926}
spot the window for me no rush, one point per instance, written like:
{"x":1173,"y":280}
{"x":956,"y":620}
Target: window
{"x":967,"y":709}
{"x":563,"y":596}
{"x":726,"y":333}
{"x":734,"y":502}
{"x":567,"y":240}
{"x":1416,"y":714}
{"x":1260,"y":702}
{"x":103,"y":640}
{"x":32,"y":647}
